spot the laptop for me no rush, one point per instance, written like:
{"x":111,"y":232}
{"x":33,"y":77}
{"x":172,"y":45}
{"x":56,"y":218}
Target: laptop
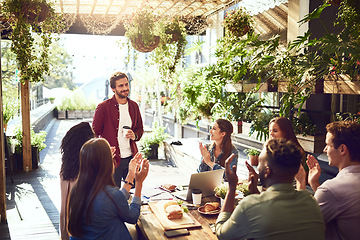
{"x":205,"y":181}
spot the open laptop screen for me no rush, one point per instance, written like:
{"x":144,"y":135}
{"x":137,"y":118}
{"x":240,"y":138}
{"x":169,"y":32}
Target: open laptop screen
{"x":205,"y":181}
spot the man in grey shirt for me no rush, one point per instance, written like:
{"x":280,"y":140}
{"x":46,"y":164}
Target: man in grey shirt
{"x":280,"y":212}
{"x":339,"y":198}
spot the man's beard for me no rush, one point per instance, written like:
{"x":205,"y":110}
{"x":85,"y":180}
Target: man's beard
{"x":121,"y":95}
{"x":262,"y":178}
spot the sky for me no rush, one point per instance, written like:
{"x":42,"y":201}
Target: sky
{"x":93,"y":56}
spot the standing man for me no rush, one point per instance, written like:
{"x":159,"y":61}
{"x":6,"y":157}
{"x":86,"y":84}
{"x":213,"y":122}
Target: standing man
{"x":339,"y":198}
{"x":111,"y":116}
{"x":280,"y":212}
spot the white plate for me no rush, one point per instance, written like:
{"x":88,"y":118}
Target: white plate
{"x":201,"y":210}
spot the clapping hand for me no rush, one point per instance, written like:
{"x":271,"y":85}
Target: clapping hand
{"x":314,"y":172}
{"x":231,"y":173}
{"x":206,"y":155}
{"x":253,"y":179}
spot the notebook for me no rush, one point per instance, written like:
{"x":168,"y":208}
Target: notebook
{"x":205,"y":181}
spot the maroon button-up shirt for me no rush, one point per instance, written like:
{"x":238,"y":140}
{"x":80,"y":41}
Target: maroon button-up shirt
{"x":106,"y":124}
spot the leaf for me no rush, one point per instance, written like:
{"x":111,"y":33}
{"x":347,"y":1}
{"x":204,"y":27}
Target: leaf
{"x":314,"y":14}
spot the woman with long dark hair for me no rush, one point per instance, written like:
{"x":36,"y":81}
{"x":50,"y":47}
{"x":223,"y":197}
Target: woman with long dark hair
{"x":97,"y":209}
{"x":280,"y":127}
{"x":215,"y":154}
{"x":70,"y":149}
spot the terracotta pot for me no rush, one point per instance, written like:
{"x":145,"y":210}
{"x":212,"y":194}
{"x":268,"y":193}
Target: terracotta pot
{"x":254,"y":160}
{"x":139,"y":45}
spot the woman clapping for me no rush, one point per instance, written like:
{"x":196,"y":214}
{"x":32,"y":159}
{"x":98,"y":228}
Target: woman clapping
{"x":97,"y":208}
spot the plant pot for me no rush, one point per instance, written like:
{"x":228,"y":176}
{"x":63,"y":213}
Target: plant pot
{"x":153,"y":153}
{"x":254,"y":160}
{"x":78,"y":114}
{"x":240,"y":32}
{"x":35,"y":157}
{"x":33,"y":12}
{"x":61,"y":114}
{"x":139,"y":45}
{"x":71,"y":114}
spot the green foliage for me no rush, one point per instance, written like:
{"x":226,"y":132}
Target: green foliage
{"x":172,"y":45}
{"x":37,"y":139}
{"x":252,"y":152}
{"x":32,"y":64}
{"x":220,"y":191}
{"x":238,"y":22}
{"x":304,"y":125}
{"x":348,"y":117}
{"x":156,"y":136}
{"x":11,"y":107}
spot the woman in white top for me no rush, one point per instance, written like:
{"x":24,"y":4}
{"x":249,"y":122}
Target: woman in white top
{"x":70,"y":148}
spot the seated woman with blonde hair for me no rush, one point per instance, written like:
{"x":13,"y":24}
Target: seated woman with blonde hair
{"x":97,"y":208}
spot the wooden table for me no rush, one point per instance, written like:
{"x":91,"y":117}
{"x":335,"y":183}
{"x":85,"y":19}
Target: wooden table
{"x":149,"y":227}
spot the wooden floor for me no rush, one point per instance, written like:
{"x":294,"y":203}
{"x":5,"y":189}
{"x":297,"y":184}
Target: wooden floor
{"x":33,"y":199}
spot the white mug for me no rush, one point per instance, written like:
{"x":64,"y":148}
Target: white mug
{"x":125,"y":130}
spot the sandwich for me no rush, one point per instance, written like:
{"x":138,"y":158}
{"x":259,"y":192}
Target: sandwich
{"x":211,"y":206}
{"x":169,"y":187}
{"x":173,"y":210}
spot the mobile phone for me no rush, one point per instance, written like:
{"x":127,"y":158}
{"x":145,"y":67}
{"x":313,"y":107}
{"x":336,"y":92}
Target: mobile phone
{"x":177,"y":232}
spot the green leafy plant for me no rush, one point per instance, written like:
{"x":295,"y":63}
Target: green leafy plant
{"x":25,"y":17}
{"x":155,"y":137}
{"x":252,"y":151}
{"x":142,"y":26}
{"x":220,"y":191}
{"x":37,"y":139}
{"x":10,"y":109}
{"x":238,"y":22}
{"x":168,"y":54}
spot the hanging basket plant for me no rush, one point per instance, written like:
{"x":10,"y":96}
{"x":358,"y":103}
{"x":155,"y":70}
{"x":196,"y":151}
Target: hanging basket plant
{"x":196,"y":25}
{"x":238,"y":22}
{"x":141,"y":30}
{"x":27,"y":17}
{"x":172,"y":45}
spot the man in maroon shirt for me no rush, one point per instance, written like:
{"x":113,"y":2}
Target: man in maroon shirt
{"x":118,"y":120}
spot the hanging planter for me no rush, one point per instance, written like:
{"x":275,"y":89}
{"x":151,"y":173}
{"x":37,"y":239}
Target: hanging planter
{"x":138,"y":44}
{"x":141,"y":30}
{"x":238,"y":22}
{"x":196,"y":25}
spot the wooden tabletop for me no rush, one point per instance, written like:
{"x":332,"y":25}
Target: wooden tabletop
{"x":149,"y":227}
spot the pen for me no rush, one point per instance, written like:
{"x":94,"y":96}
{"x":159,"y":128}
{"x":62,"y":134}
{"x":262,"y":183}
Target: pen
{"x":159,"y":199}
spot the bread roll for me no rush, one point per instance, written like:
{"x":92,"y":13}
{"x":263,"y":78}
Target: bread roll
{"x":169,"y":203}
{"x":211,"y":206}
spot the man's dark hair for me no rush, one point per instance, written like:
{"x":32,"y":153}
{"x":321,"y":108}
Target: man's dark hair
{"x":117,"y":76}
{"x":285,"y":156}
{"x":347,"y":133}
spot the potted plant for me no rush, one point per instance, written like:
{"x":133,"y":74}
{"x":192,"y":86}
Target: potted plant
{"x":141,"y":30}
{"x":37,"y":145}
{"x":150,"y":142}
{"x":238,"y":22}
{"x":195,"y":25}
{"x":51,"y":99}
{"x":253,"y":155}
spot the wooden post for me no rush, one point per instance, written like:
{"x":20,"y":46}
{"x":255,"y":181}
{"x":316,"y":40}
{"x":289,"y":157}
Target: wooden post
{"x":2,"y":160}
{"x":25,"y":112}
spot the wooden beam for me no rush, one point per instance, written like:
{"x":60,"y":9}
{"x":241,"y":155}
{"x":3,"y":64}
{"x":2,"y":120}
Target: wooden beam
{"x":2,"y":160}
{"x":25,"y":112}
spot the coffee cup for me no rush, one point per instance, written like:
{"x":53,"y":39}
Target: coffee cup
{"x":196,"y":196}
{"x":125,"y":130}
